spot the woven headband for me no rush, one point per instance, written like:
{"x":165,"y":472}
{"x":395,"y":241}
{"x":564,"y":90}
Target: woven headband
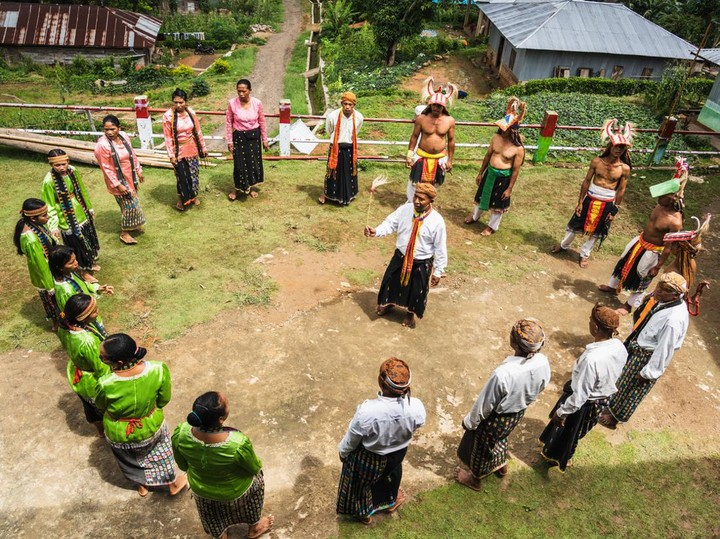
{"x":88,"y":310}
{"x":34,"y":213}
{"x":395,"y":385}
{"x":58,"y":159}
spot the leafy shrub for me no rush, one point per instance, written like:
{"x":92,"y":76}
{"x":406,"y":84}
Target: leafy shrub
{"x":199,"y":88}
{"x":698,"y":89}
{"x":593,"y":85}
{"x":182,"y":71}
{"x":220,"y":66}
{"x":257,"y":40}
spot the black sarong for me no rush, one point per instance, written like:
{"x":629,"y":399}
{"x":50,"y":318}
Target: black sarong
{"x":187,"y":174}
{"x":413,"y":296}
{"x":561,"y":442}
{"x":247,"y":159}
{"x":86,"y":248}
{"x":492,"y":186}
{"x":369,"y":482}
{"x":484,"y":450}
{"x":416,"y":173}
{"x":341,"y":185}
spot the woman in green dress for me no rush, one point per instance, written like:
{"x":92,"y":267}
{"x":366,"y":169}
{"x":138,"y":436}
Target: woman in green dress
{"x":224,"y":473}
{"x":132,"y":397}
{"x":81,"y":336}
{"x":65,"y":268}
{"x":33,"y":240}
{"x":71,"y":211}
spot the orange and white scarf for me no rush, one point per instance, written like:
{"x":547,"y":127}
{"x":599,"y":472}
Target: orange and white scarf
{"x":333,"y":159}
{"x":410,"y":250}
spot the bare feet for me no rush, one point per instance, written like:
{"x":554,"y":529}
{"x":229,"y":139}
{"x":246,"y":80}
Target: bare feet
{"x":469,"y":220}
{"x":178,"y":485}
{"x":502,"y":472}
{"x":382,"y":310}
{"x":263,"y":526}
{"x":142,"y":491}
{"x":401,"y":499}
{"x":487,"y":231}
{"x":253,"y":194}
{"x":127,"y":239}
{"x":583,"y":263}
{"x":322,"y":199}
{"x":466,"y":478}
{"x":368,"y":521}
{"x":95,"y":267}
{"x":196,"y":201}
{"x":409,"y":321}
{"x":557,"y":249}
{"x":607,"y":289}
{"x":179,"y":206}
{"x":232,"y":195}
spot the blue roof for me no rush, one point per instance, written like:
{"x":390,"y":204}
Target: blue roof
{"x":581,"y":26}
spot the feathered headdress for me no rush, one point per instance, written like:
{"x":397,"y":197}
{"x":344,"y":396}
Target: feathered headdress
{"x":611,"y":130}
{"x":514,"y":113}
{"x":429,"y":94}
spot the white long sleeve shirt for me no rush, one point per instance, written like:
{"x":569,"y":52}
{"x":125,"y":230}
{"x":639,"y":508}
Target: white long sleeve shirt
{"x":383,"y":425}
{"x":513,"y":386}
{"x":663,"y":334}
{"x":346,"y":128}
{"x":595,"y":373}
{"x":431,"y":241}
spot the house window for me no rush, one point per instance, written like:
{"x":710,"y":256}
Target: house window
{"x":9,"y":20}
{"x":601,"y":73}
{"x":513,"y":55}
{"x":646,"y":73}
{"x":617,"y":72}
{"x":562,"y":72}
{"x":584,"y":72}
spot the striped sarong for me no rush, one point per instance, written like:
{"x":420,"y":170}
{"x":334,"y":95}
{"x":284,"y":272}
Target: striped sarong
{"x":131,"y":214}
{"x":217,"y":516}
{"x":369,"y":482}
{"x":187,"y":174}
{"x":626,"y":269}
{"x":47,"y":297}
{"x":149,"y":462}
{"x":487,"y":444}
{"x":631,"y":390}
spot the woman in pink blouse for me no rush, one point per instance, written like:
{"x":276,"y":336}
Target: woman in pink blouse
{"x":123,"y":173}
{"x":185,"y":145}
{"x":245,"y":131}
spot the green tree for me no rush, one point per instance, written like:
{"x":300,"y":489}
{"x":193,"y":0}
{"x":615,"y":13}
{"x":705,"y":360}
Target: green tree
{"x":337,"y":14}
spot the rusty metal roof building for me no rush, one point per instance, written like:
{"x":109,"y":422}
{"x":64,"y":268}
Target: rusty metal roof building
{"x":23,"y":24}
{"x":583,"y":26}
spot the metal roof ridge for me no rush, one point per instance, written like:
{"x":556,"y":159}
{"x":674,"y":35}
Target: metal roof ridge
{"x":558,"y":10}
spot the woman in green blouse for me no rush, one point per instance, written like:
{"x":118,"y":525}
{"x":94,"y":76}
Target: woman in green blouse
{"x":68,"y":280}
{"x":81,"y":338}
{"x":132,"y":397}
{"x":33,"y":240}
{"x":224,"y":473}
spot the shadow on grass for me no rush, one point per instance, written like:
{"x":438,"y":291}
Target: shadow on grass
{"x":163,"y":193}
{"x":108,"y":221}
{"x":33,"y":311}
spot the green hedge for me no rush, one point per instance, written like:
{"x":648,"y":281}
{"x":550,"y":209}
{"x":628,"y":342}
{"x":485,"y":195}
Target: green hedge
{"x":581,"y":85}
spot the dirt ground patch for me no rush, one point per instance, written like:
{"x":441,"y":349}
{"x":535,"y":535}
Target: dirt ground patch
{"x":295,"y":372}
{"x":459,"y":70}
{"x":200,"y":61}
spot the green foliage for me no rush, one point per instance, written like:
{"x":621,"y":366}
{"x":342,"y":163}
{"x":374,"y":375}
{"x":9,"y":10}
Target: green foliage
{"x":661,"y":96}
{"x":221,"y":31}
{"x":410,"y":48}
{"x":199,"y":88}
{"x":182,"y":71}
{"x":337,"y":15}
{"x":592,"y":85}
{"x":697,"y":90}
{"x":220,"y":66}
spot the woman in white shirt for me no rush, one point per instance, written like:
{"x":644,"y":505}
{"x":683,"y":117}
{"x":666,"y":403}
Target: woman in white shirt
{"x":373,"y":449}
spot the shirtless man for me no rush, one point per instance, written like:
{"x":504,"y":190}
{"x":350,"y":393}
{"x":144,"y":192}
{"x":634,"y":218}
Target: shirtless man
{"x":646,"y":254}
{"x":600,"y":195}
{"x":433,"y":156}
{"x":500,"y":169}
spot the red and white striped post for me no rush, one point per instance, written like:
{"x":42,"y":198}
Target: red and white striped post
{"x":144,"y":123}
{"x":284,"y":127}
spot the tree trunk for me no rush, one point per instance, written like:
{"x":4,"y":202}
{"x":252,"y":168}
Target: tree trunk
{"x":390,"y":56}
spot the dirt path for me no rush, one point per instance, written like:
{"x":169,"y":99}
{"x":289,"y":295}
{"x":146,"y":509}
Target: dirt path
{"x":294,"y":374}
{"x":268,"y":75}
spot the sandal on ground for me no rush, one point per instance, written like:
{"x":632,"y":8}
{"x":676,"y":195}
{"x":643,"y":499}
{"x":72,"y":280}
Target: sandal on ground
{"x":583,"y":262}
{"x":179,"y":207}
{"x":269,"y":521}
{"x":556,"y":249}
{"x":142,"y":491}
{"x":368,"y":521}
{"x":469,"y":220}
{"x":126,"y":241}
{"x":502,"y":472}
{"x":399,"y":501}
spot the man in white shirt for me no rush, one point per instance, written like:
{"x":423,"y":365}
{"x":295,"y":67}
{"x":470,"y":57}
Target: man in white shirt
{"x":593,"y":381}
{"x":420,"y":250}
{"x":374,"y":446}
{"x":661,"y":323}
{"x":342,"y":126}
{"x":512,"y":387}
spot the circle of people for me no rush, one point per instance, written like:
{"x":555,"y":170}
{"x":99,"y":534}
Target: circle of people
{"x":123,"y":394}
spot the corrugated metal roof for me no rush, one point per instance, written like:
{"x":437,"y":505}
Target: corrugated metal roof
{"x":75,"y":26}
{"x":711,"y":55}
{"x":581,"y":26}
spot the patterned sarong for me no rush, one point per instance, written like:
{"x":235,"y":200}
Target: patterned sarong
{"x":631,"y":389}
{"x":131,"y":214}
{"x":369,"y":482}
{"x":149,"y":462}
{"x":217,"y":516}
{"x":593,"y":219}
{"x":493,"y":185}
{"x":428,"y":168}
{"x":341,"y":185}
{"x":626,"y":269}
{"x":187,"y":174}
{"x":247,"y":159}
{"x":47,"y":297}
{"x":561,"y":442}
{"x":413,"y":296}
{"x":485,"y":449}
{"x":86,"y":249}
